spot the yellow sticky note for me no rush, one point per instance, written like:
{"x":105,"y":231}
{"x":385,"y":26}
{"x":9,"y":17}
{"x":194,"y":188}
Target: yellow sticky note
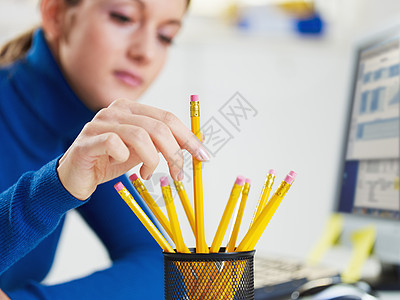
{"x":363,"y":240}
{"x":396,"y":183}
{"x":330,"y":235}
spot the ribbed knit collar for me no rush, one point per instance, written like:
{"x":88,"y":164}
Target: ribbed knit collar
{"x":45,"y":90}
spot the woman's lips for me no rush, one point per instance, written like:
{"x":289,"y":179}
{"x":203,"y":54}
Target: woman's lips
{"x":129,"y":78}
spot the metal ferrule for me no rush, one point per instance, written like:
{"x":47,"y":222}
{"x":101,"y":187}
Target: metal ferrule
{"x":139,"y":186}
{"x":269,"y":181}
{"x":167,"y":194}
{"x":194,"y":109}
{"x":124,"y":193}
{"x":246,"y":189}
{"x":178,"y":186}
{"x":282,"y":189}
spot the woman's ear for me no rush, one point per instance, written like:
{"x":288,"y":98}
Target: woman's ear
{"x":52,"y":12}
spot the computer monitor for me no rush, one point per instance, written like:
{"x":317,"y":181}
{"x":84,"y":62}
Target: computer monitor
{"x":368,"y":189}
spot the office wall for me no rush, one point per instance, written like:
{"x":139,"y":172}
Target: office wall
{"x":297,"y":90}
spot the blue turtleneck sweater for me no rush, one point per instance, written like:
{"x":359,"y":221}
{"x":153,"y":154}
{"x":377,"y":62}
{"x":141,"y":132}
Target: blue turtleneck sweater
{"x":40,"y":116}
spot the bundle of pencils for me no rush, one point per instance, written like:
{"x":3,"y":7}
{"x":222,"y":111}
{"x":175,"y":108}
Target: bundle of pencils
{"x":264,"y":211}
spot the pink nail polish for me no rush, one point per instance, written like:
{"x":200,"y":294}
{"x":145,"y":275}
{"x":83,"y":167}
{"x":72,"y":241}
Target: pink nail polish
{"x":203,"y":154}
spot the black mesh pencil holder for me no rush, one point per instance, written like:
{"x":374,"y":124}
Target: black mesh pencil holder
{"x":216,"y":276}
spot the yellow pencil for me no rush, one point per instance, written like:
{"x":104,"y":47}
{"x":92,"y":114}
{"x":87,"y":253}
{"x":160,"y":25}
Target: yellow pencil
{"x":137,"y":183}
{"x":235,"y":232}
{"x":226,"y":216}
{"x":201,"y":246}
{"x":186,"y":204}
{"x":253,"y":235}
{"x":269,"y":181}
{"x":128,"y":198}
{"x":176,"y":229}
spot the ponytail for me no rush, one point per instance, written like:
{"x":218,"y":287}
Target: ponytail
{"x":16,"y":48}
{"x":19,"y":46}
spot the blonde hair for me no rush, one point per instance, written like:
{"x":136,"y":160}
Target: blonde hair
{"x":18,"y":47}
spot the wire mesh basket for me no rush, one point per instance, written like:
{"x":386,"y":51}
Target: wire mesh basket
{"x":216,"y":276}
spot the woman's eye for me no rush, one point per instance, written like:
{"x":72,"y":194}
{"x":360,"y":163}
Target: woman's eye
{"x":120,"y":18}
{"x":165,"y":40}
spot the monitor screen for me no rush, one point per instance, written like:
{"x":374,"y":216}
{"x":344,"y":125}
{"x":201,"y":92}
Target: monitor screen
{"x":370,"y":177}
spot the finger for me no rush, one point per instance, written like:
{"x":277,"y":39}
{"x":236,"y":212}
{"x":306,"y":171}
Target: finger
{"x":3,"y":296}
{"x":163,"y":140}
{"x":109,"y":144}
{"x":86,"y":163}
{"x":139,"y":140}
{"x":185,"y":138}
{"x":135,"y":137}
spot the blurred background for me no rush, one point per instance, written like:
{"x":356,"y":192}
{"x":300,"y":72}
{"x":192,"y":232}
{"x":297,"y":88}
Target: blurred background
{"x":273,"y":79}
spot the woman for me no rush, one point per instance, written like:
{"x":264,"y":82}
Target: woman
{"x":58,"y":154}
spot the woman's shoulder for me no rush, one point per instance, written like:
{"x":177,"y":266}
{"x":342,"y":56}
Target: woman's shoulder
{"x":6,"y":73}
{"x":7,"y":76}
{"x":7,"y":69}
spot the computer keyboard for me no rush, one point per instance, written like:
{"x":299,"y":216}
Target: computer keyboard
{"x":277,"y":278}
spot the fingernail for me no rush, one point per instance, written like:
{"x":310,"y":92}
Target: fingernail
{"x":203,"y":154}
{"x":180,"y":175}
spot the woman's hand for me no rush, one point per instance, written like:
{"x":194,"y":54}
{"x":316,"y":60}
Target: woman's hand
{"x":118,"y":138}
{"x":3,"y":296}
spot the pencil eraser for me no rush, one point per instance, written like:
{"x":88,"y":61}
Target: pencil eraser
{"x":119,"y":186}
{"x":133,"y":177}
{"x":247,"y":180}
{"x":289,"y":179}
{"x":240,"y":180}
{"x":272,"y":172}
{"x":164,"y":181}
{"x":194,"y":98}
{"x":293,"y":174}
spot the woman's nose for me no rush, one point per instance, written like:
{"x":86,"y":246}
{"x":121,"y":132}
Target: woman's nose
{"x":143,"y":46}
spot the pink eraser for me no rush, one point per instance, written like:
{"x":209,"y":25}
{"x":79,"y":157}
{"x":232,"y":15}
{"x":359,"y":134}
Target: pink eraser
{"x":272,"y":172}
{"x":248,"y":180}
{"x":164,"y":181}
{"x":289,"y":179}
{"x":240,"y":180}
{"x":293,"y":174}
{"x":194,"y":98}
{"x":133,"y":177}
{"x":119,"y":186}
